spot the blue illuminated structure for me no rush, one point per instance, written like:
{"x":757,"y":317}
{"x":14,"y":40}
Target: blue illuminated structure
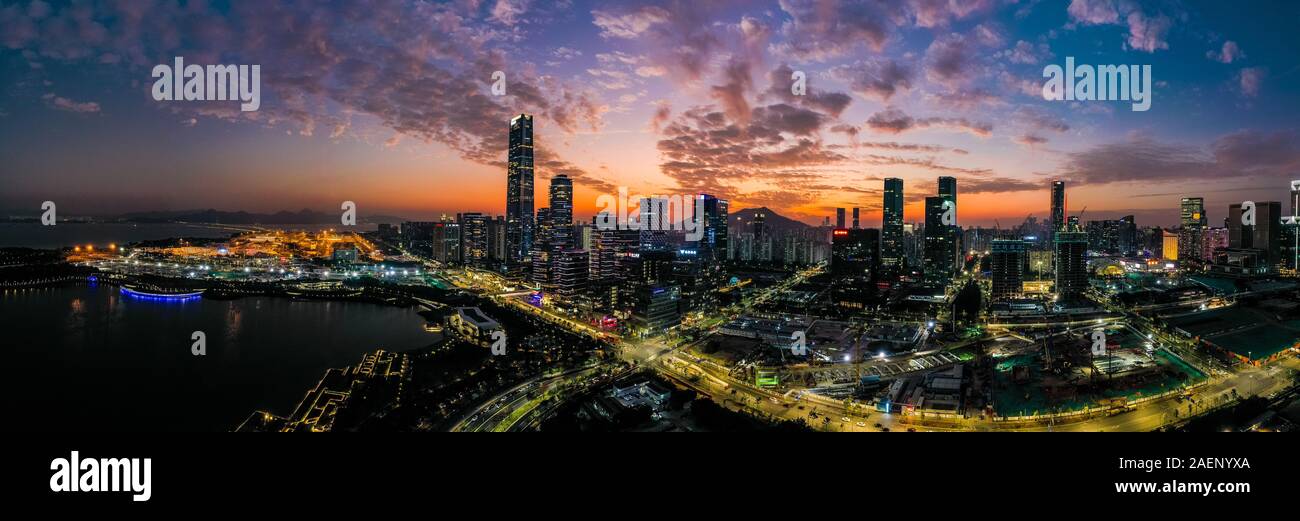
{"x":163,"y":297}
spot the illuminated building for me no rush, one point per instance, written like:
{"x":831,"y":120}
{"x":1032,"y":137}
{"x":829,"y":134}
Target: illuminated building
{"x":855,"y":261}
{"x":519,"y":189}
{"x":1008,"y":261}
{"x":1071,"y":264}
{"x":1194,"y":221}
{"x":940,"y":248}
{"x":891,"y":238}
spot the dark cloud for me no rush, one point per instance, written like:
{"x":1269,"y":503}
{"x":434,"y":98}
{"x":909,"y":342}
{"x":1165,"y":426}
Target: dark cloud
{"x":1240,"y":154}
{"x":780,"y":82}
{"x":894,"y":121}
{"x":824,"y":29}
{"x":877,"y":78}
{"x":421,"y":69}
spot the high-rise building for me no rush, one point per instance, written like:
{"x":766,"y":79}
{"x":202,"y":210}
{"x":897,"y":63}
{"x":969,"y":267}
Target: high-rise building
{"x":839,"y":217}
{"x":1194,"y":221}
{"x":1058,"y":208}
{"x":656,"y":308}
{"x":561,"y":201}
{"x":569,"y":274}
{"x":1071,"y":264}
{"x":1265,"y":235}
{"x":891,"y":237}
{"x":948,"y":191}
{"x":474,"y":238}
{"x":714,"y":244}
{"x":519,"y":190}
{"x":855,"y":261}
{"x":653,"y":216}
{"x":1291,"y":231}
{"x":447,"y":242}
{"x":856,"y":221}
{"x":1008,"y":260}
{"x":948,"y":188}
{"x":1169,"y":245}
{"x":940,"y":246}
{"x":1128,"y":235}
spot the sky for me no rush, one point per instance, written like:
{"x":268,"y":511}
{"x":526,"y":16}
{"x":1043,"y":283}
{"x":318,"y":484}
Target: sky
{"x":390,"y":104}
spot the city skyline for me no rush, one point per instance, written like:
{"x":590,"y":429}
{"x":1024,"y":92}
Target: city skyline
{"x":931,"y":91}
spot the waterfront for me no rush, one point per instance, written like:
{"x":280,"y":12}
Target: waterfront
{"x":86,"y":357}
{"x":33,"y":235}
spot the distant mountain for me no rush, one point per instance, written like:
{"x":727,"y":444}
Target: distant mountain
{"x":282,"y":217}
{"x":772,"y":221}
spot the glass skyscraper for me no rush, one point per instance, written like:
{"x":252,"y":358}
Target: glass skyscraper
{"x":519,"y":189}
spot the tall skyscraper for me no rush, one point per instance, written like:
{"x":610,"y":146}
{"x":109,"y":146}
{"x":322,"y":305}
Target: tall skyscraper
{"x":1194,"y":221}
{"x":1008,"y":262}
{"x":948,"y":188}
{"x":839,"y":217}
{"x":474,"y":238}
{"x":940,"y":245}
{"x":1058,"y":207}
{"x":855,"y":260}
{"x":519,"y":190}
{"x":856,"y":222}
{"x":1291,"y":231}
{"x":561,"y":201}
{"x":891,"y":244}
{"x":948,"y":191}
{"x":1265,"y":235}
{"x":1071,"y":264}
{"x":715,"y":228}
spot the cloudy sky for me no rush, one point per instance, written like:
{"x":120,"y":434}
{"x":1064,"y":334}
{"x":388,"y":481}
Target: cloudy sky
{"x":389,"y":104}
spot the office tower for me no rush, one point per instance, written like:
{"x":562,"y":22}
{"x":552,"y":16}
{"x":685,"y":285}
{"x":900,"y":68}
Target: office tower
{"x":474,"y":238}
{"x":1291,"y":231}
{"x":417,"y":236}
{"x":1169,"y":245}
{"x":839,"y":217}
{"x":519,"y":189}
{"x":891,"y":236}
{"x":1128,"y":235}
{"x":561,"y":201}
{"x":1265,"y":235}
{"x":855,"y":260}
{"x":539,"y":258}
{"x":1058,"y":208}
{"x":856,"y":222}
{"x":1193,"y":220}
{"x":496,"y":241}
{"x":940,"y":246}
{"x":654,"y":218}
{"x":948,"y":188}
{"x":1071,"y":264}
{"x":1215,"y":239}
{"x":570,"y":270}
{"x":656,"y":308}
{"x":1008,"y":262}
{"x":757,"y":224}
{"x":948,"y":191}
{"x":447,"y":242}
{"x":1103,"y":236}
{"x":715,"y":228}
